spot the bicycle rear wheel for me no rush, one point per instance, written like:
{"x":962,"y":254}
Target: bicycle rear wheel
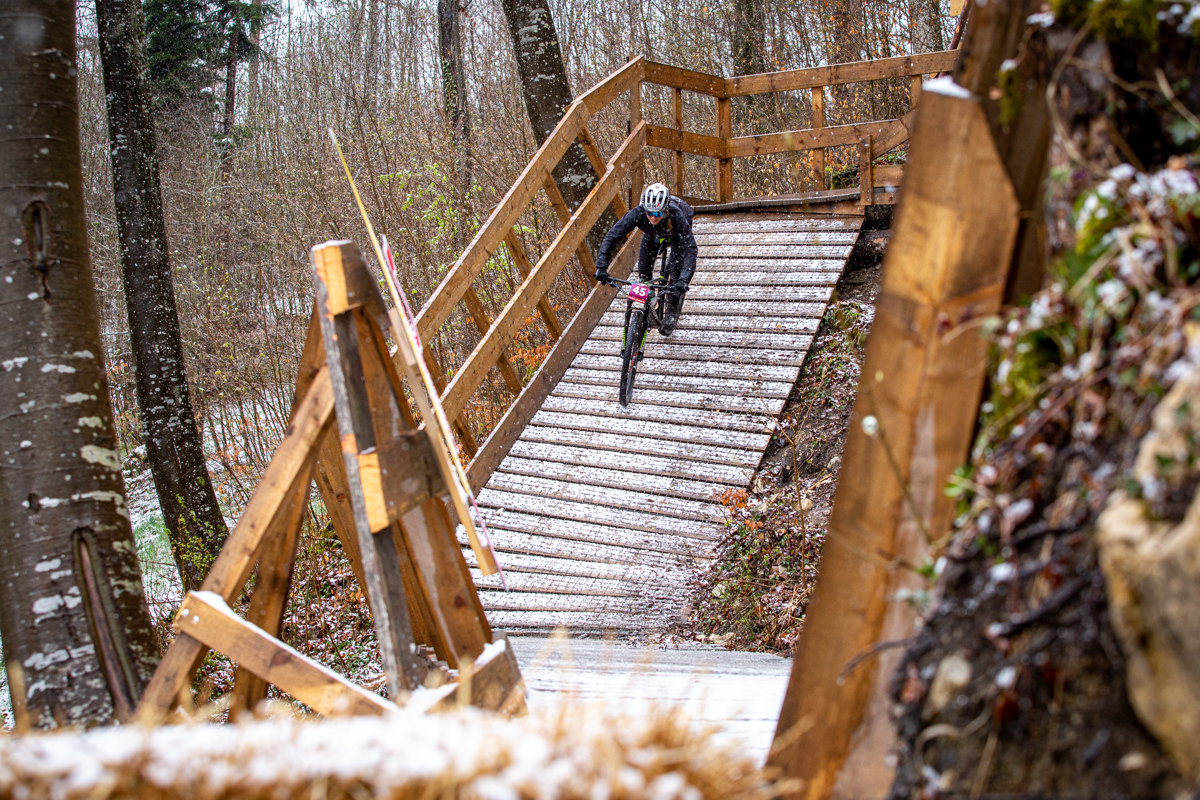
{"x":635,"y":331}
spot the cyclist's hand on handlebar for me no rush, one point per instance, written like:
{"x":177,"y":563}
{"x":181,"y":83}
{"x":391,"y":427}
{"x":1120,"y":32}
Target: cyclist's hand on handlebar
{"x":680,"y":286}
{"x":602,"y":275}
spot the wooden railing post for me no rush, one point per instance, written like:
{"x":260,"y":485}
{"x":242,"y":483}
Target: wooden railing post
{"x":637,"y":170}
{"x":818,"y":122}
{"x":677,"y":177}
{"x":724,"y":165}
{"x":866,"y":178}
{"x":914,"y":85}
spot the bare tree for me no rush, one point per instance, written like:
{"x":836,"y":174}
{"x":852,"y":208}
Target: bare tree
{"x":77,"y":637}
{"x":454,"y":87}
{"x":547,"y":94}
{"x":185,"y":493}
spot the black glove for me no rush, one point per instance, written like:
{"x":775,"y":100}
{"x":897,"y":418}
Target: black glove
{"x":602,"y":275}
{"x":680,"y":286}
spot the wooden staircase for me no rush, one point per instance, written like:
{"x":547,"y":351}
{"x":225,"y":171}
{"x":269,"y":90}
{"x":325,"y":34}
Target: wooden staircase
{"x":601,"y":513}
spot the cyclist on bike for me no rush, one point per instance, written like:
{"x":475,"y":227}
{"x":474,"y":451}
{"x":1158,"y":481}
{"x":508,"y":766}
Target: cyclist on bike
{"x":665,"y":221}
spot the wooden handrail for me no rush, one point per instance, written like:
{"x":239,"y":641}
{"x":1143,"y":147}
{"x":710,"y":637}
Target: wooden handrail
{"x":627,"y":164}
{"x":509,"y":321}
{"x":837,"y":74}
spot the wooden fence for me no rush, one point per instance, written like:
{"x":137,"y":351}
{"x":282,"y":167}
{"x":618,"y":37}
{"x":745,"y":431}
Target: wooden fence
{"x":626,"y":168}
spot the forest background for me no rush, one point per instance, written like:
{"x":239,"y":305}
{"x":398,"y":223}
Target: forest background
{"x":427,"y":99}
{"x":250,"y":181}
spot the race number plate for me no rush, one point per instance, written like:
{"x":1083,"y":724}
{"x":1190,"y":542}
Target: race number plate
{"x":638,"y":293}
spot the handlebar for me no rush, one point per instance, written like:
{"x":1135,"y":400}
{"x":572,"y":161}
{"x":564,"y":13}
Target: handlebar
{"x":657,"y":285}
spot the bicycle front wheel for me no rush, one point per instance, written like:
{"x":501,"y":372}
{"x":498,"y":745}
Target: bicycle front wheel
{"x":635,"y":331}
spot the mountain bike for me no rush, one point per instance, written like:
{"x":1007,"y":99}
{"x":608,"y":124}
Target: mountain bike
{"x":644,"y":309}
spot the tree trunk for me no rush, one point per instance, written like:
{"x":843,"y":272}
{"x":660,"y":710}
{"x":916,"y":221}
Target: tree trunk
{"x":78,"y":641}
{"x":749,"y":35}
{"x":185,"y":493}
{"x":454,"y":89}
{"x":547,"y":94}
{"x":230,"y":95}
{"x":926,"y":26}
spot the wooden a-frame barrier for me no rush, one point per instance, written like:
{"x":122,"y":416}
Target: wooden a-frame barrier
{"x":352,"y":431}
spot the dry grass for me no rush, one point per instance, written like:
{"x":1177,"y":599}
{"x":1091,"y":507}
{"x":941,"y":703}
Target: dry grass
{"x":569,"y":751}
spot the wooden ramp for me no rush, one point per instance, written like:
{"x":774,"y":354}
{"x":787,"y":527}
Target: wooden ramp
{"x":601,"y":514}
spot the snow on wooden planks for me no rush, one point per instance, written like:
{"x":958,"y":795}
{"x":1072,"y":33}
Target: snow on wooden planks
{"x":601,"y":514}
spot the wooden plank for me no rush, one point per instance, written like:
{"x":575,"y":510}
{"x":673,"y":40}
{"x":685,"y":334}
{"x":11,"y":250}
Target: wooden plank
{"x":569,"y":456}
{"x":548,"y":374}
{"x":888,"y":174}
{"x":610,"y":498}
{"x":702,"y":337}
{"x":750,"y":239}
{"x":866,"y":178}
{"x":429,"y":539}
{"x":813,"y":138}
{"x":699,"y":305}
{"x":598,"y":164}
{"x":559,"y":204}
{"x":729,"y":323}
{"x":692,"y":81}
{"x":744,"y":357}
{"x":625,"y":79}
{"x":662,"y":364}
{"x":708,"y":401}
{"x":818,"y":122}
{"x":742,"y":458}
{"x":677,"y":156}
{"x":714,"y":223}
{"x":545,"y":309}
{"x":272,"y":584}
{"x":494,"y":684}
{"x":710,"y":262}
{"x":702,"y":421}
{"x":498,"y":600}
{"x":948,"y":259}
{"x":725,"y":164}
{"x":441,"y":302}
{"x":588,"y":589}
{"x":637,"y":170}
{"x":512,"y":317}
{"x":685,"y":141}
{"x":750,"y":278}
{"x":585,"y":621}
{"x":679,"y":383}
{"x":573,"y":555}
{"x":481,"y":320}
{"x":389,"y":609}
{"x":557,"y":533}
{"x":820,"y":292}
{"x":618,"y":478}
{"x":207,"y":618}
{"x":692,"y":533}
{"x":580,"y":564}
{"x":852,"y":72}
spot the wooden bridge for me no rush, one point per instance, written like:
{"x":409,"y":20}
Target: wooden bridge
{"x":600,"y":513}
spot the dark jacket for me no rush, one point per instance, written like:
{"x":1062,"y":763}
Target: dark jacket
{"x":675,"y":231}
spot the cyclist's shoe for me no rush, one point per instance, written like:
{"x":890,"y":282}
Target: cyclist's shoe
{"x":641,"y":355}
{"x":667,"y":327}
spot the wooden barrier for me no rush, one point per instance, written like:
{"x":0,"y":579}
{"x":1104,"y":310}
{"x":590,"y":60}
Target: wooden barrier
{"x":872,"y":138}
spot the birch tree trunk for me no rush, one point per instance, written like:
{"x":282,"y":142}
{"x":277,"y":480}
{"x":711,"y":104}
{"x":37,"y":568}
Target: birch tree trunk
{"x":185,"y":493}
{"x":78,"y":643}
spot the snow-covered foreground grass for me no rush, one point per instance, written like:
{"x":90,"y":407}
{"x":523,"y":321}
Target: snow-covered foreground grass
{"x":567,"y":751}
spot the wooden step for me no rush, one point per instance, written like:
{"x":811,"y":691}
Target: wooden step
{"x":746,"y":458}
{"x":565,"y":457}
{"x":648,"y":377}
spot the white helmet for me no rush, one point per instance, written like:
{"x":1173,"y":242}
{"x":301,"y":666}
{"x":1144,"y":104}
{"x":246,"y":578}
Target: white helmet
{"x":655,"y":197}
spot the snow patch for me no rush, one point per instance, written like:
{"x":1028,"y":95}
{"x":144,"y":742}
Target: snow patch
{"x":945,"y":85}
{"x":95,"y":454}
{"x":78,"y":397}
{"x":10,"y":364}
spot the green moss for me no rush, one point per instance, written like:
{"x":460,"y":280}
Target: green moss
{"x":1130,"y":23}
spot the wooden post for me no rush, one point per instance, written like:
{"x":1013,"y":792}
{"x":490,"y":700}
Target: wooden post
{"x":866,"y":178}
{"x":364,"y":471}
{"x":677,"y":176}
{"x":914,"y":89}
{"x":922,"y":379}
{"x":724,"y":165}
{"x":637,"y":170}
{"x":818,"y":122}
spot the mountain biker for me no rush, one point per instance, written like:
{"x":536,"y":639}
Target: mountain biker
{"x":665,"y":221}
